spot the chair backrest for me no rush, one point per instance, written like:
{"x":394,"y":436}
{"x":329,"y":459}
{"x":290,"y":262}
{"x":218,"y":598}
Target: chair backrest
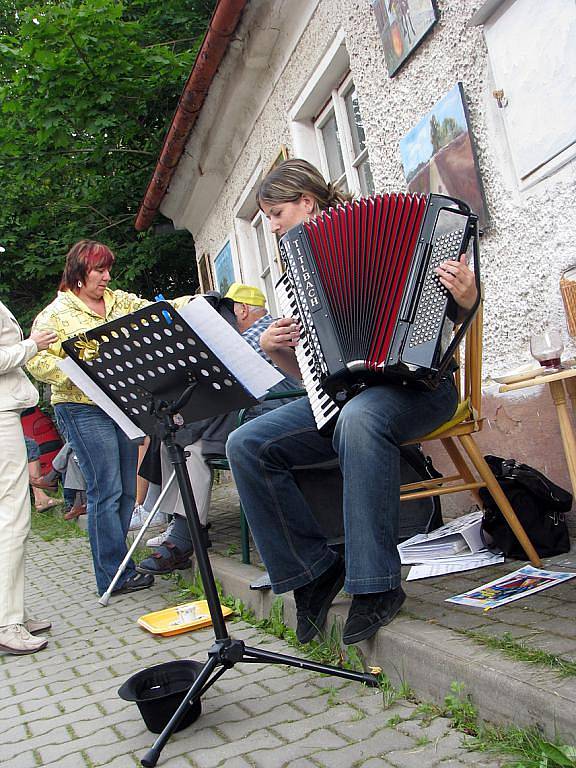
{"x":469,"y":376}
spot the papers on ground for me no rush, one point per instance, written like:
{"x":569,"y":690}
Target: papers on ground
{"x":456,"y":546}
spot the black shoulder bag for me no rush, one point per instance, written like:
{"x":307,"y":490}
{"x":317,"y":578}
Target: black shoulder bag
{"x":539,"y":504}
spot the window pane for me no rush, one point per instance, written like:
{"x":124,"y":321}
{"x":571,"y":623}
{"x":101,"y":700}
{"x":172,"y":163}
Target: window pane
{"x":269,"y":291}
{"x":366,"y":180}
{"x":342,"y":184}
{"x":262,"y":250}
{"x":332,"y":148}
{"x":355,"y":121}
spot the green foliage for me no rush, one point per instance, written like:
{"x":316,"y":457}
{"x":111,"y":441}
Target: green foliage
{"x":461,"y":711}
{"x":87,"y":91}
{"x":528,"y":748}
{"x":520,"y":651}
{"x":50,"y":525}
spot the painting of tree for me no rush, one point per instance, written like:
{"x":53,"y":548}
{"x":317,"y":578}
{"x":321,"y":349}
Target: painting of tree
{"x":438,"y":154}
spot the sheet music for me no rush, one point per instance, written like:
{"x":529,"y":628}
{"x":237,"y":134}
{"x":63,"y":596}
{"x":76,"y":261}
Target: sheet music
{"x":251,"y":370}
{"x":444,"y":565}
{"x":71,"y":369}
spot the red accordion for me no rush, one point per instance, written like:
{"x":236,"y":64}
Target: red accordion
{"x":361,"y":280}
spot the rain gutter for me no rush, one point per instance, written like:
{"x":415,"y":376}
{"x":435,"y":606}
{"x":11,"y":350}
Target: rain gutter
{"x":222,"y":26}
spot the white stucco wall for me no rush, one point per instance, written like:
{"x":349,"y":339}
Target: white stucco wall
{"x":531,"y":236}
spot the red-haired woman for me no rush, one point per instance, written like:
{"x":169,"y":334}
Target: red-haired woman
{"x":107,"y":458}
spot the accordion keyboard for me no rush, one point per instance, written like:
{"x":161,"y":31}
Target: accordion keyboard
{"x":323,"y":407}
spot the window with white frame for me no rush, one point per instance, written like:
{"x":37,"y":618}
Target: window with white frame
{"x":267,"y":250}
{"x":342,"y":142}
{"x":257,"y":249}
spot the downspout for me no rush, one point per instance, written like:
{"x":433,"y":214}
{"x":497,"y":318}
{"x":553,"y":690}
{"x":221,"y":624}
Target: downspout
{"x":222,"y":26}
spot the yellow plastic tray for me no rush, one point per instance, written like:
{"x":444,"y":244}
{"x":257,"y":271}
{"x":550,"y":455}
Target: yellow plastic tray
{"x":166,"y":623}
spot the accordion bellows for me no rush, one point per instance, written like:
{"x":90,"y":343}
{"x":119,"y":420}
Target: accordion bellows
{"x":362,"y":253}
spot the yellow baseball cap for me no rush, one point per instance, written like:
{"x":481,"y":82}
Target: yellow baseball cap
{"x":246,"y":294}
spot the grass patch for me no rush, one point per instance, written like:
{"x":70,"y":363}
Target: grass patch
{"x":50,"y":525}
{"x":519,"y":651}
{"x":327,"y":651}
{"x":528,"y":748}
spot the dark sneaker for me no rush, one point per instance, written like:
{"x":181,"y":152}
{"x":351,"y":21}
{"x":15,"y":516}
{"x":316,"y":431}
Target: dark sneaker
{"x":314,"y":600}
{"x":165,"y":559}
{"x":135,"y":583}
{"x":370,"y":612}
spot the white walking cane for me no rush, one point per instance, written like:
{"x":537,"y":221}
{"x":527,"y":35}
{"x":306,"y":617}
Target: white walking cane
{"x":106,"y":596}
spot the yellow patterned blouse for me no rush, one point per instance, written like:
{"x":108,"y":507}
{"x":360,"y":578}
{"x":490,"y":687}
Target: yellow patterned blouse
{"x":69,"y":316}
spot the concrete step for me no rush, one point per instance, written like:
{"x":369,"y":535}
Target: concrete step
{"x":420,"y":652}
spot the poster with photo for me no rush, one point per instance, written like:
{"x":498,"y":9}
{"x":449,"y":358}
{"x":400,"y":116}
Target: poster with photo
{"x":438,"y":154}
{"x":403,"y":24}
{"x":224,"y":269}
{"x":525,"y":581}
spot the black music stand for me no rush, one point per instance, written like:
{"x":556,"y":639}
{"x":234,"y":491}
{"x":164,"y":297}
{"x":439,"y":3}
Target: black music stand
{"x":162,"y":375}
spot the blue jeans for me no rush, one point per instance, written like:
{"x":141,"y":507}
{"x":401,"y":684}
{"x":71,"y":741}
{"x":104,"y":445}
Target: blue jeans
{"x":108,"y":461}
{"x":370,"y":427}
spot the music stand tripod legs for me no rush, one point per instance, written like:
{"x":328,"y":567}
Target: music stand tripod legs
{"x":225,"y":652}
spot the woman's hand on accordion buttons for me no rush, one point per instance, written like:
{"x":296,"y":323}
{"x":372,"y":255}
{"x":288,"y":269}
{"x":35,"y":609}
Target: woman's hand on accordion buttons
{"x":282,"y":333}
{"x":459,"y":279}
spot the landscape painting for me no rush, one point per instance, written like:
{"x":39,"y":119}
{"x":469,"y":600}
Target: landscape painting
{"x":224,"y":269}
{"x":438,"y":154}
{"x":403,"y":24}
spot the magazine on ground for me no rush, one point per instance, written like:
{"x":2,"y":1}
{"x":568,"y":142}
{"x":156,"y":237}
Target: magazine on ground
{"x":513,"y":586}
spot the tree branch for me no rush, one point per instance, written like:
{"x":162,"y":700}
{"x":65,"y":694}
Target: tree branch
{"x":171,"y":42}
{"x":114,"y":224}
{"x":80,"y":53}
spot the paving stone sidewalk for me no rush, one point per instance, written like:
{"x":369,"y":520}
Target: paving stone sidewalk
{"x":60,"y":707}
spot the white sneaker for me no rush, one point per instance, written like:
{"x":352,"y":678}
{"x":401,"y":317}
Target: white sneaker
{"x":157,"y":541}
{"x":37,"y":625}
{"x":15,"y":638}
{"x":140,"y":514}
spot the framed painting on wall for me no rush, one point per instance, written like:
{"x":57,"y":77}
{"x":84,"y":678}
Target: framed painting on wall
{"x":205,"y":273}
{"x":438,"y":154}
{"x":281,"y":156}
{"x":403,"y":24}
{"x":224,"y":268}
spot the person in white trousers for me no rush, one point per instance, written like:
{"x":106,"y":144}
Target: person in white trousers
{"x":17,"y":631}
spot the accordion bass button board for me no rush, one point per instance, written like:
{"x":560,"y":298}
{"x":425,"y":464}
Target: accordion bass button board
{"x":361,"y":280}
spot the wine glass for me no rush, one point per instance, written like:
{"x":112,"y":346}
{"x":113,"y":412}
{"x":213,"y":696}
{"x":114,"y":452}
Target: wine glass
{"x":547,"y":348}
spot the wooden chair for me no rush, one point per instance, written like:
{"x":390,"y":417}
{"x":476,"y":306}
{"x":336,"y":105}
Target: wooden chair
{"x":457,"y":437}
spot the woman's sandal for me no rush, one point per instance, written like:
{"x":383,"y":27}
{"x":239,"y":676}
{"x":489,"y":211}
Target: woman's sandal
{"x":48,"y":505}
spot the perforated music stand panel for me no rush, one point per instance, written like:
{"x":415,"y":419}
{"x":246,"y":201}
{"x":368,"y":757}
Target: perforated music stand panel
{"x":154,"y":354}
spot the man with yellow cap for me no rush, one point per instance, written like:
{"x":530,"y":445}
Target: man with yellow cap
{"x":208,"y":439}
{"x":251,"y":314}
